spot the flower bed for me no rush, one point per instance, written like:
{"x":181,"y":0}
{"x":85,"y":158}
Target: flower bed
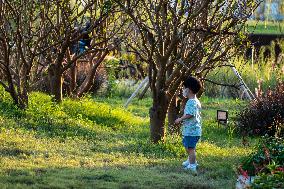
{"x":265,"y":167}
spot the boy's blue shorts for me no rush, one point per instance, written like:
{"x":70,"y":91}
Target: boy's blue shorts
{"x":190,"y":141}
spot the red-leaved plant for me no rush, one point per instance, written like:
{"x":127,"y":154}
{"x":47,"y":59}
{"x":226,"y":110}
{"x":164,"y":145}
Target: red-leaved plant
{"x":264,"y":115}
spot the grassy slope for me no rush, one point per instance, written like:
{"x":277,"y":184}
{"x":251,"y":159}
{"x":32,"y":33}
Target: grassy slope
{"x":97,"y":144}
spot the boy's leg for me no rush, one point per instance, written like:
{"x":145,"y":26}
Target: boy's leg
{"x":187,"y":151}
{"x":189,"y":143}
{"x":191,"y":155}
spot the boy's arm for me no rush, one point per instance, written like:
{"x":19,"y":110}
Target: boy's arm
{"x":187,"y":116}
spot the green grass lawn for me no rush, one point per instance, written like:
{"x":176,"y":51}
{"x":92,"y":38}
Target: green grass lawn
{"x":95,"y":143}
{"x":265,"y":27}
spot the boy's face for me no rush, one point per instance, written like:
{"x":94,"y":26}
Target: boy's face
{"x":185,"y":92}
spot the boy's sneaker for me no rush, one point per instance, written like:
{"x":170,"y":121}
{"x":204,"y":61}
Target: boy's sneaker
{"x":196,"y":164}
{"x":191,"y":168}
{"x":186,"y":163}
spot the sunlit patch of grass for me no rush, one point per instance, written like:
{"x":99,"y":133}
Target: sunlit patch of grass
{"x":136,"y":107}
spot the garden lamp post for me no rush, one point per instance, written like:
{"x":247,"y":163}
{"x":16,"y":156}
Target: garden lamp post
{"x":222,"y":116}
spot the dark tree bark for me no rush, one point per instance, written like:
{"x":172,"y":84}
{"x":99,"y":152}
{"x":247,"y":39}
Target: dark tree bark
{"x":89,"y":80}
{"x":157,"y":117}
{"x":73,"y":77}
{"x":173,"y":113}
{"x":56,"y":81}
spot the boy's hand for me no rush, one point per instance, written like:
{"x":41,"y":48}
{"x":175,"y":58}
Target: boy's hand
{"x":178,"y":120}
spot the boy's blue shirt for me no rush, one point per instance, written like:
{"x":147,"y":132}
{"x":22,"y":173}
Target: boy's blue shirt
{"x":192,"y":126}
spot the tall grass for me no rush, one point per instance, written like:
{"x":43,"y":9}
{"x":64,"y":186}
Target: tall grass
{"x":264,"y":72}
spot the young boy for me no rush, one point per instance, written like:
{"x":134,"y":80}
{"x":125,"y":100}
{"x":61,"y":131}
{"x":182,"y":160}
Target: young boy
{"x":191,"y":128}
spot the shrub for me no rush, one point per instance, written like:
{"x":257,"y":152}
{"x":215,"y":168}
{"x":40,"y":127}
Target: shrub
{"x":264,"y":115}
{"x":269,"y":152}
{"x":273,"y":179}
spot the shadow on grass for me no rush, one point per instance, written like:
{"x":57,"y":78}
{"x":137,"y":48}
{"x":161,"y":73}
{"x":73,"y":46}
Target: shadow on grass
{"x":105,"y":177}
{"x":14,"y":152}
{"x":10,"y":110}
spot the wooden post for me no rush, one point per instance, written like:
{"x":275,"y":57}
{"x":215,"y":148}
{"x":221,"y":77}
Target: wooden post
{"x":252,"y":56}
{"x":243,"y":86}
{"x":144,"y":91}
{"x":145,"y":81}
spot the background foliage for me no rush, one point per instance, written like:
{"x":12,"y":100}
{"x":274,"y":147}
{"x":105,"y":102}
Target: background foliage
{"x":265,"y":73}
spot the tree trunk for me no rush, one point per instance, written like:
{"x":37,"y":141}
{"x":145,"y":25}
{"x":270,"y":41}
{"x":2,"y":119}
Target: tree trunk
{"x":23,"y":96}
{"x":173,"y":109}
{"x":140,"y":70}
{"x":73,"y":77}
{"x":89,"y":80}
{"x":158,"y":114}
{"x":56,"y":81}
{"x":11,"y":89}
{"x":173,"y":113}
{"x":23,"y":102}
